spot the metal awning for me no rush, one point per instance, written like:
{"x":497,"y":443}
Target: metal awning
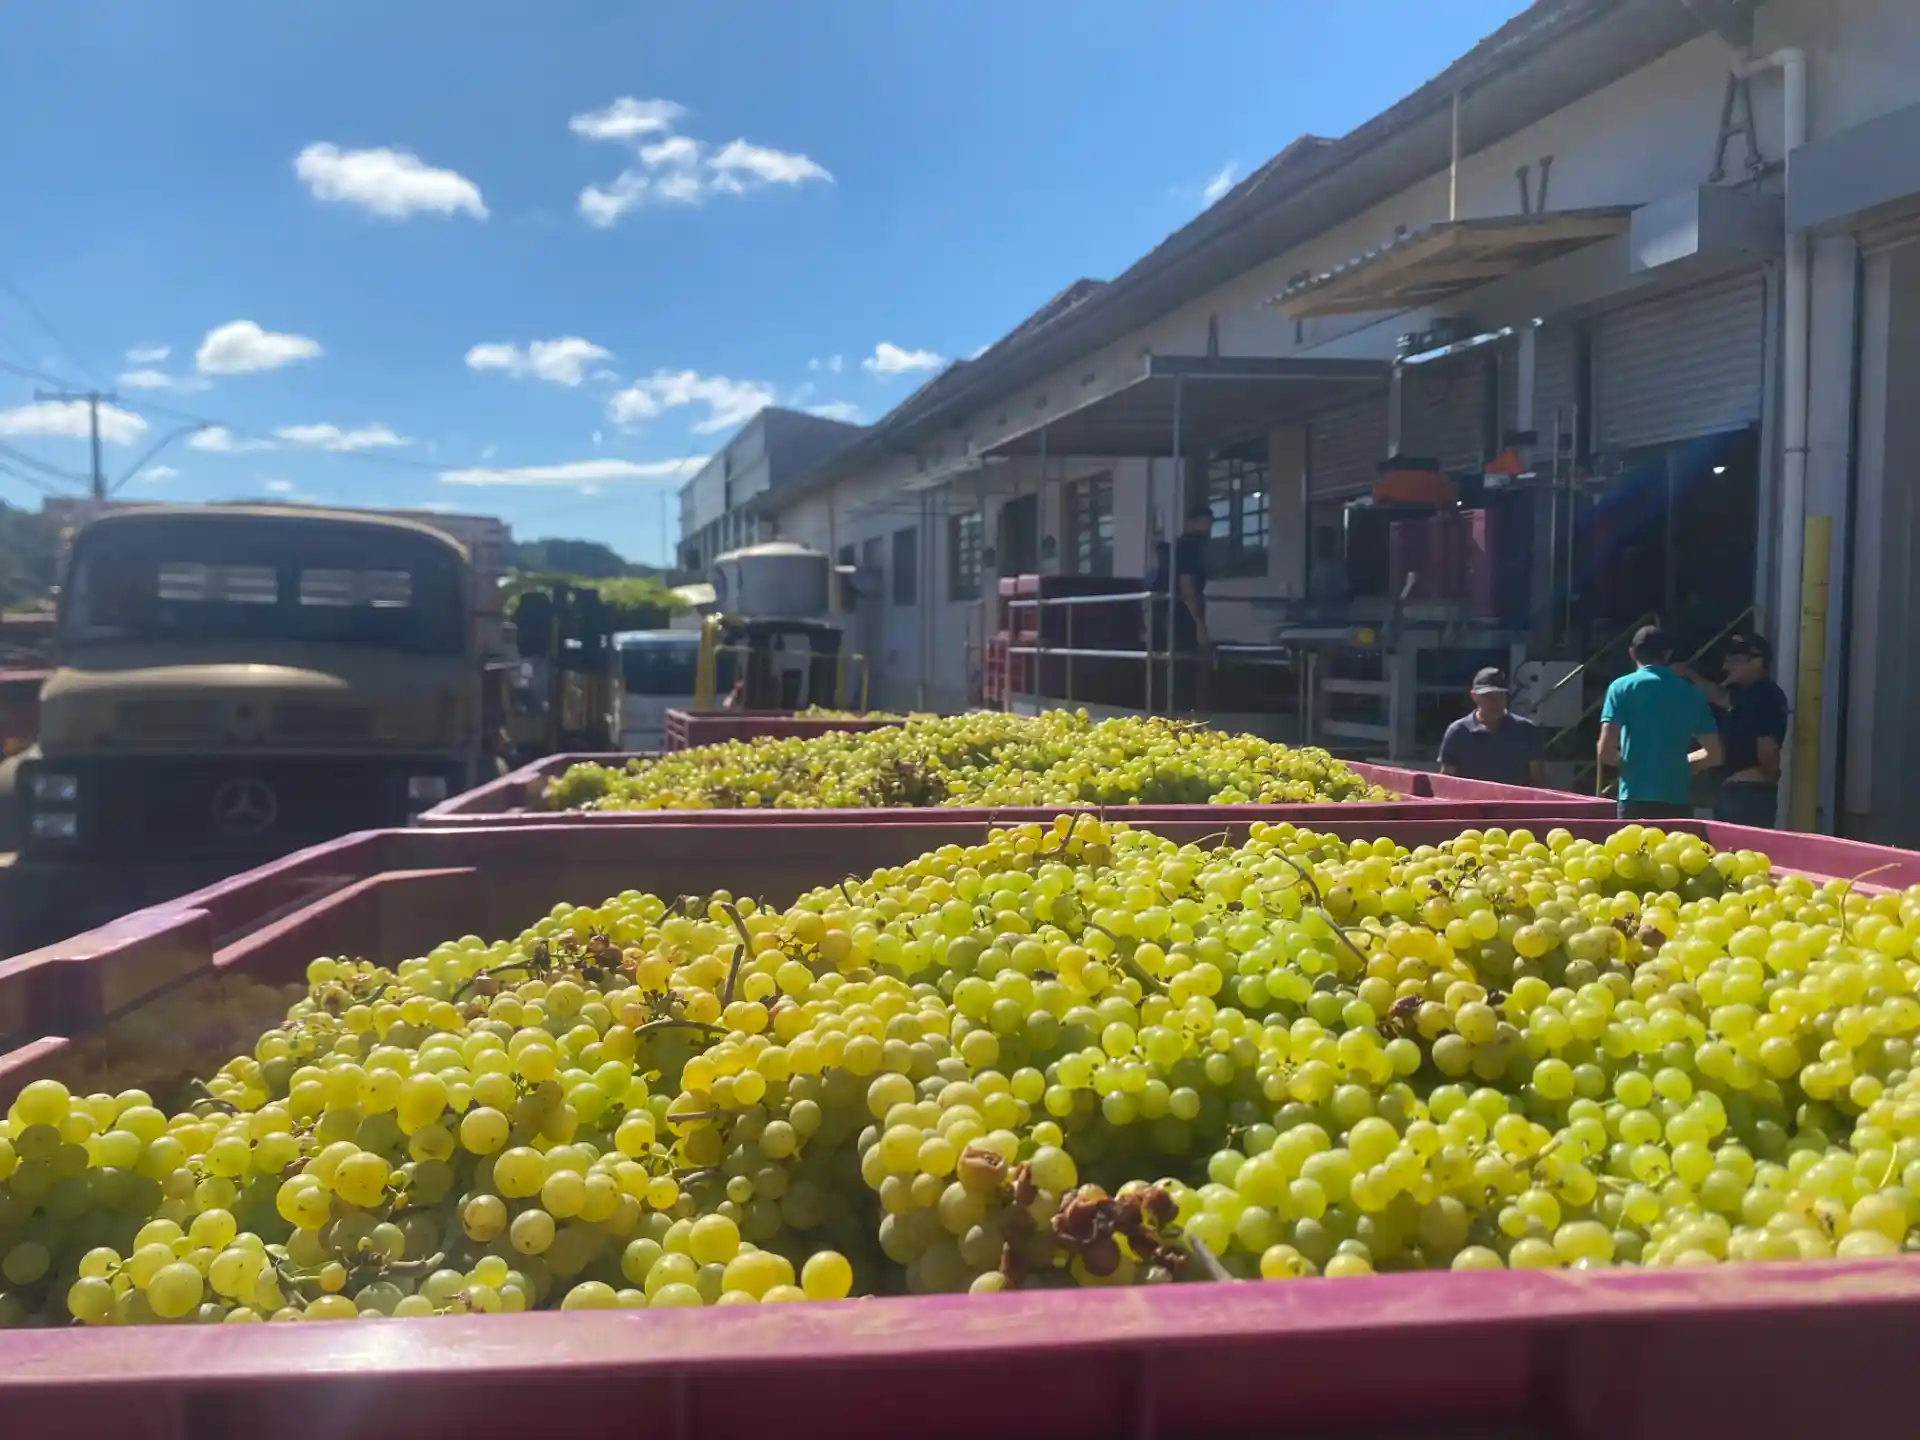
{"x":1442,"y":260}
{"x":1216,"y":403}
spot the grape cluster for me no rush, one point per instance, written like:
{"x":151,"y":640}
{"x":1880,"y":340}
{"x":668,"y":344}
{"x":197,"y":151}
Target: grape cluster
{"x":1075,"y":1054}
{"x":984,"y":758}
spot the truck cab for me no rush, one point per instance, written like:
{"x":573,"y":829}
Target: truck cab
{"x":238,"y":681}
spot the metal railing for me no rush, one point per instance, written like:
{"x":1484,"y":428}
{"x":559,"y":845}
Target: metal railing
{"x":1148,"y":654}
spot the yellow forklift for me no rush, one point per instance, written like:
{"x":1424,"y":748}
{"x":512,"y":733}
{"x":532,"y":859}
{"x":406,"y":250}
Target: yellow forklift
{"x":775,"y":664}
{"x":563,"y":694}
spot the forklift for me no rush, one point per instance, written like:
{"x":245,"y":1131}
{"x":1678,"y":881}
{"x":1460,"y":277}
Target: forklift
{"x":564,"y":694}
{"x":779,"y":664}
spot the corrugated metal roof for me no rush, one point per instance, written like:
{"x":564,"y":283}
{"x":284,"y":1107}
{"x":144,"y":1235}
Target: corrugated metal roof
{"x":1271,"y":210}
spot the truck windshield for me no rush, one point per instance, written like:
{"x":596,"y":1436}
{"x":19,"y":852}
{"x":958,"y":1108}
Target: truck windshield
{"x":196,"y":578}
{"x":658,"y":667}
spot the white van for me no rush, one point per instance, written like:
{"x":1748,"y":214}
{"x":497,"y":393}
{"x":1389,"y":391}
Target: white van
{"x":657,"y":669}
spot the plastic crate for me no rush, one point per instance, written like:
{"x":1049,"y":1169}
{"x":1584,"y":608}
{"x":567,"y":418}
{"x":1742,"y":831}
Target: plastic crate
{"x":687,"y":729}
{"x":1646,"y":1354}
{"x":515,"y":800}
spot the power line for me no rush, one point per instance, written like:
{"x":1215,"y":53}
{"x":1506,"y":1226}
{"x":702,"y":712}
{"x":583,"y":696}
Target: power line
{"x":21,"y":457}
{"x":46,"y":326}
{"x":38,"y":484}
{"x":93,"y":399}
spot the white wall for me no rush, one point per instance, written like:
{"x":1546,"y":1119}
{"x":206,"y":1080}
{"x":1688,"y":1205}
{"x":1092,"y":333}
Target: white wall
{"x":1646,"y":137}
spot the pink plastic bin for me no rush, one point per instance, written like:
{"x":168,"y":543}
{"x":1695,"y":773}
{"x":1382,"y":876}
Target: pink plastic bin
{"x":515,"y":799}
{"x":1784,"y":1350}
{"x":686,"y":729}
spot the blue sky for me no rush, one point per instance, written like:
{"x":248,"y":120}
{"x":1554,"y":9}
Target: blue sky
{"x":533,"y":260}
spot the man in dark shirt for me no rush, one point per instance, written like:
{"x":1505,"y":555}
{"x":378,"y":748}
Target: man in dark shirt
{"x":1189,"y":578}
{"x":1492,"y":743}
{"x":1753,"y":726}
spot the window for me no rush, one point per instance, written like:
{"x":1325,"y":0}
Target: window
{"x":219,"y":584}
{"x":1237,"y":495}
{"x":658,"y":667}
{"x":382,"y":589}
{"x":906,"y":566}
{"x":1090,"y":526}
{"x":964,"y":536}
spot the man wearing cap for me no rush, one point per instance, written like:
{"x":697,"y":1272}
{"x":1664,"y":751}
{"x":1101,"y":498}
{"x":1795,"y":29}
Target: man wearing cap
{"x":1491,"y":743}
{"x":1650,"y":724}
{"x":1754,"y":726}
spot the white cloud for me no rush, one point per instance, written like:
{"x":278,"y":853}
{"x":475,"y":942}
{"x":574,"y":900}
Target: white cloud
{"x":600,"y":206}
{"x":487,"y":452}
{"x":278,"y":487}
{"x":332,"y":437}
{"x":218,"y":440}
{"x":390,"y":183}
{"x":597,"y":438}
{"x":837,"y":410}
{"x":69,"y":419}
{"x":890,"y":359}
{"x":743,"y":165}
{"x":562,"y":361}
{"x":678,"y":151}
{"x":728,"y":402}
{"x":148,"y":354}
{"x":833,"y":364}
{"x":676,"y":169}
{"x":150,"y":379}
{"x":1221,"y":183}
{"x":158,"y":474}
{"x":240,"y":347}
{"x":627,"y":119}
{"x":581,"y":474}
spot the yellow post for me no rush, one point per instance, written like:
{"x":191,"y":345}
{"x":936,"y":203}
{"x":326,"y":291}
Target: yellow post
{"x":1809,"y":685}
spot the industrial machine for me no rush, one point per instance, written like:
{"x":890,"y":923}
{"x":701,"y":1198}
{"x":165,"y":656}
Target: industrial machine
{"x":768,"y":644}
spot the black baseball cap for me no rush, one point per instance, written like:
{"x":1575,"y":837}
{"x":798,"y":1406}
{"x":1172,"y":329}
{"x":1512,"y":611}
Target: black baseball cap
{"x":1758,"y":646}
{"x":1491,"y":681}
{"x":1651,"y":640}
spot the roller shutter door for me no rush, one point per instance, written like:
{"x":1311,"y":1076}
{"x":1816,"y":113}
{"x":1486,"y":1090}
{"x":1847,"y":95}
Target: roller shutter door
{"x":1556,"y":380}
{"x":1345,"y":448}
{"x":1443,"y":413}
{"x":1692,"y":363}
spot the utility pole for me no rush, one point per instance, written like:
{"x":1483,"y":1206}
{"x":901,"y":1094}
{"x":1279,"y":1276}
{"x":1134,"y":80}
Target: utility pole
{"x":94,"y":399}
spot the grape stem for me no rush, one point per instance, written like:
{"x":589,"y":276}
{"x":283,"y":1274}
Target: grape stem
{"x":1127,"y":962}
{"x":1209,"y":1262}
{"x":1320,"y":904}
{"x":733,"y":970}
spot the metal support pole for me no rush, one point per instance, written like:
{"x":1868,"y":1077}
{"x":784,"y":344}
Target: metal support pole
{"x":1070,"y":610}
{"x":1176,"y":521}
{"x":1453,"y":167}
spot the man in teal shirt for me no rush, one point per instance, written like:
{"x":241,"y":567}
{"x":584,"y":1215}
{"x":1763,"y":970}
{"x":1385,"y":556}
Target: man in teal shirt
{"x":1649,"y":727}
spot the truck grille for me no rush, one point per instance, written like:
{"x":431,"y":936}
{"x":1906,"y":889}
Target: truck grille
{"x":170,"y":720}
{"x":306,"y":721}
{"x":195,"y":808}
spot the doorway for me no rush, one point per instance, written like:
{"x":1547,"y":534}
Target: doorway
{"x":1673,"y":532}
{"x":1018,"y":536}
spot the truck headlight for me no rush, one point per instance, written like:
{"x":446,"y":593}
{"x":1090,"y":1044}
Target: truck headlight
{"x":426,"y":789}
{"x":55,"y":825}
{"x":52,"y":788}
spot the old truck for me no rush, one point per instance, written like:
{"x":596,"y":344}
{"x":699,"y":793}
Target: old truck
{"x":235,"y":681}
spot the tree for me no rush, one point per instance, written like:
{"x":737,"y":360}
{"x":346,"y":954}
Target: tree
{"x":586,"y":558}
{"x":634,"y":602}
{"x":28,"y":556}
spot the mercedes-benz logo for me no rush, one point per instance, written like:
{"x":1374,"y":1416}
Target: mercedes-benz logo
{"x":244,"y":807}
